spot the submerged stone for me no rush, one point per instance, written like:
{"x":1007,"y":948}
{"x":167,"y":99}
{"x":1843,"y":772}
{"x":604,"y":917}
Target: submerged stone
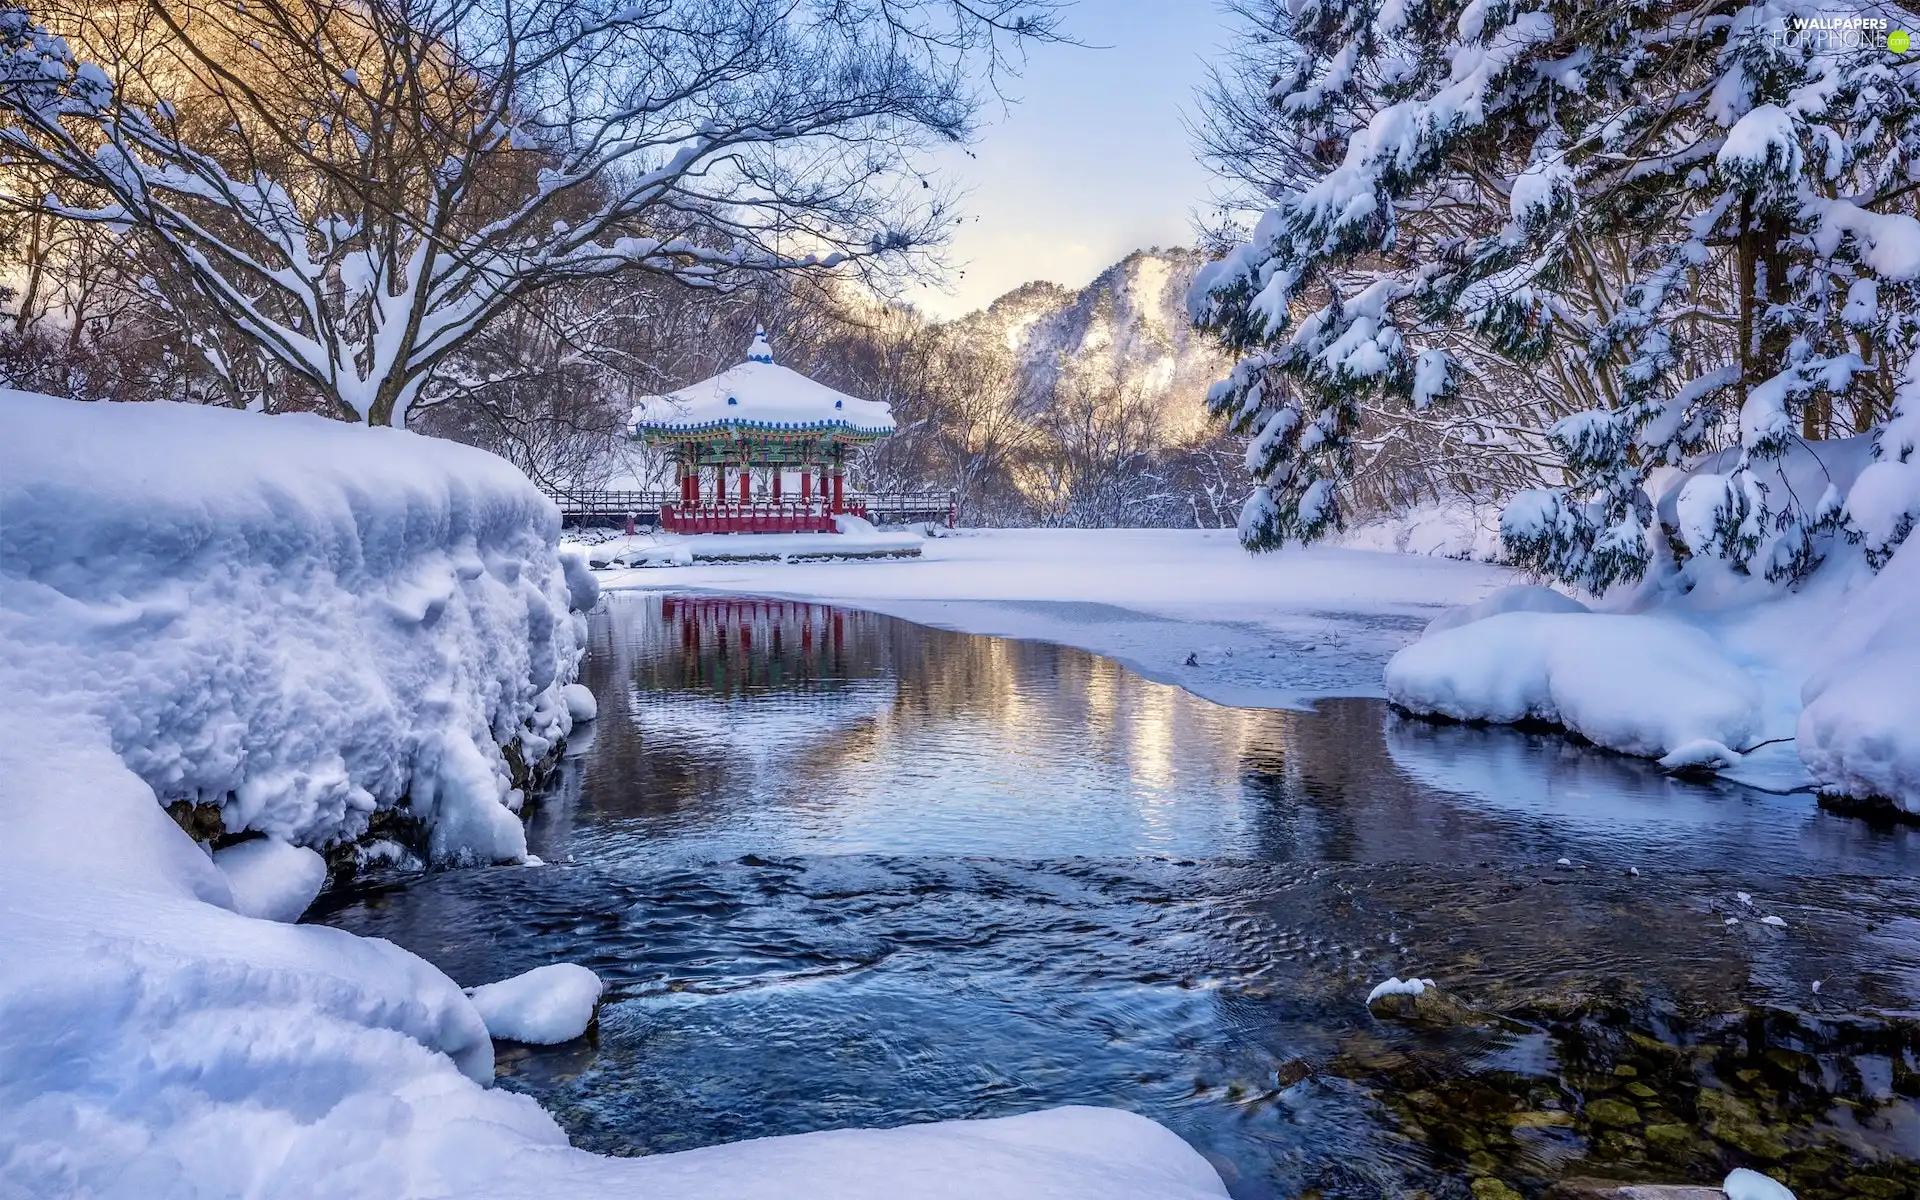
{"x":1606,"y":1111}
{"x":1493,"y":1189}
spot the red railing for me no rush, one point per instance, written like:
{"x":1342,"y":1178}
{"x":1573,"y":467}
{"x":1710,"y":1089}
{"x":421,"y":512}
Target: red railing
{"x":788,"y":516}
{"x":748,"y":518}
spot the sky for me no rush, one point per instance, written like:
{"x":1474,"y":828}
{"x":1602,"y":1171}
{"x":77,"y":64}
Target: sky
{"x":1091,"y":162}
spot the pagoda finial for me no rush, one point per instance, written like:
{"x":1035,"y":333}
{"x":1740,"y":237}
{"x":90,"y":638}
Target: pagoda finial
{"x":760,"y":351}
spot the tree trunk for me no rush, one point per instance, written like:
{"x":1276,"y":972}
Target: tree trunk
{"x":1764,"y":284}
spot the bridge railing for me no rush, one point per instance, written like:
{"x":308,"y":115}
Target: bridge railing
{"x":589,"y":507}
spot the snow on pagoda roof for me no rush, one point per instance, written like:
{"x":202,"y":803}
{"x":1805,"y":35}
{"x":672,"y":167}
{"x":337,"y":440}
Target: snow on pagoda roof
{"x":760,"y":394}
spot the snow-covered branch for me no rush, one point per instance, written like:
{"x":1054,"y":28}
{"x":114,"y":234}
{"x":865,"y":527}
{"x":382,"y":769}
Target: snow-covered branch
{"x":356,"y":190}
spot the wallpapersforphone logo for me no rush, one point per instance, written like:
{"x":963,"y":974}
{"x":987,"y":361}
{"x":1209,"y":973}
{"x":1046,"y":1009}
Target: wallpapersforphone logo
{"x":1842,"y":33}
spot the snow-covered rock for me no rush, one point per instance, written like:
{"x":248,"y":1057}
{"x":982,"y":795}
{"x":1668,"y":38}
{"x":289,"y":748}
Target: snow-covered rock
{"x":581,"y":705}
{"x":271,"y":879}
{"x":1396,"y":986}
{"x":1743,"y":1183}
{"x":1520,"y":598}
{"x":1701,"y":754}
{"x":542,"y":1007}
{"x":1859,"y":734}
{"x":1638,"y":684}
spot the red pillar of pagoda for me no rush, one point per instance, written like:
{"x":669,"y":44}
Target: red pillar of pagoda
{"x":746,"y":485}
{"x":778,"y":471}
{"x":806,"y":484}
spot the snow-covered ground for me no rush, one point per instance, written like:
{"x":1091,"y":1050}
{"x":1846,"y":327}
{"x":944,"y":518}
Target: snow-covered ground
{"x":1187,"y":607}
{"x":856,"y":538}
{"x":299,"y":624}
{"x":1450,"y":529}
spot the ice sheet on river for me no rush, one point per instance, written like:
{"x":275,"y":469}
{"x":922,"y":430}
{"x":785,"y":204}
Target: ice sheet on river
{"x":1186,"y":607}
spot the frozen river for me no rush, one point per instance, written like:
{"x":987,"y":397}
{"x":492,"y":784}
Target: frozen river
{"x":838,"y":869}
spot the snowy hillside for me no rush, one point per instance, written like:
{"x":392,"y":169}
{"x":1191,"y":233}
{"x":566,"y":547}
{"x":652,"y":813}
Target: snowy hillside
{"x":1130,"y":321}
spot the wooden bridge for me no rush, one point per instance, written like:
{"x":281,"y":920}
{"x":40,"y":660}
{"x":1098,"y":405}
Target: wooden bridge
{"x":613,"y":508}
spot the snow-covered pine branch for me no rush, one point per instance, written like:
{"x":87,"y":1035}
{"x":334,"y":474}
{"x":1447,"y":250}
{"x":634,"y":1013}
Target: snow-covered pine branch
{"x":1695,"y":218}
{"x":354,"y":189}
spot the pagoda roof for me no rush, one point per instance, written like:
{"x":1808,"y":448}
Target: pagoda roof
{"x":760,"y":394}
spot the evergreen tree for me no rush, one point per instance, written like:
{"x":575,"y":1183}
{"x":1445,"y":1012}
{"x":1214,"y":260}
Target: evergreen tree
{"x":1704,"y":209}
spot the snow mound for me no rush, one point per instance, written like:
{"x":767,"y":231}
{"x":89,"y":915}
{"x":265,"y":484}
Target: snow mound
{"x":542,"y":1007}
{"x":581,"y":705}
{"x":295,"y":619}
{"x":1744,"y":1184}
{"x":1639,"y":685}
{"x":1701,"y":754}
{"x":1521,"y":598}
{"x":1859,"y":734}
{"x":271,"y":879}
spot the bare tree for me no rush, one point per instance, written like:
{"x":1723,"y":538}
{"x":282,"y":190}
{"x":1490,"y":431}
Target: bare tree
{"x":340,"y":195}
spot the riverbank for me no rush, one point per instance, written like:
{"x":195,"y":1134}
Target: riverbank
{"x":1185,"y":607}
{"x":294,"y":627}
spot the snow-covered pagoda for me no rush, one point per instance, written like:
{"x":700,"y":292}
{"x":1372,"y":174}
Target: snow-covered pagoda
{"x":759,"y":448}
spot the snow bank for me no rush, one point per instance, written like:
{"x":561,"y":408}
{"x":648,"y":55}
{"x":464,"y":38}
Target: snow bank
{"x":542,"y":1007}
{"x":1640,"y":685}
{"x":1859,"y":733}
{"x":295,"y":619}
{"x":296,"y":622}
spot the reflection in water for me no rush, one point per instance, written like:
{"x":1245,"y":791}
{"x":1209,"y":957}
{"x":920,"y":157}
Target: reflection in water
{"x":842,"y":870}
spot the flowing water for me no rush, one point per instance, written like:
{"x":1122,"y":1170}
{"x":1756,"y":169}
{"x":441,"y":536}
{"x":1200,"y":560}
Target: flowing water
{"x":840,"y":870}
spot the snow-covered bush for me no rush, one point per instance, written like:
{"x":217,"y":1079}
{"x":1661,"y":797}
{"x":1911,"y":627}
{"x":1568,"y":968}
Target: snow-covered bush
{"x":299,"y":621}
